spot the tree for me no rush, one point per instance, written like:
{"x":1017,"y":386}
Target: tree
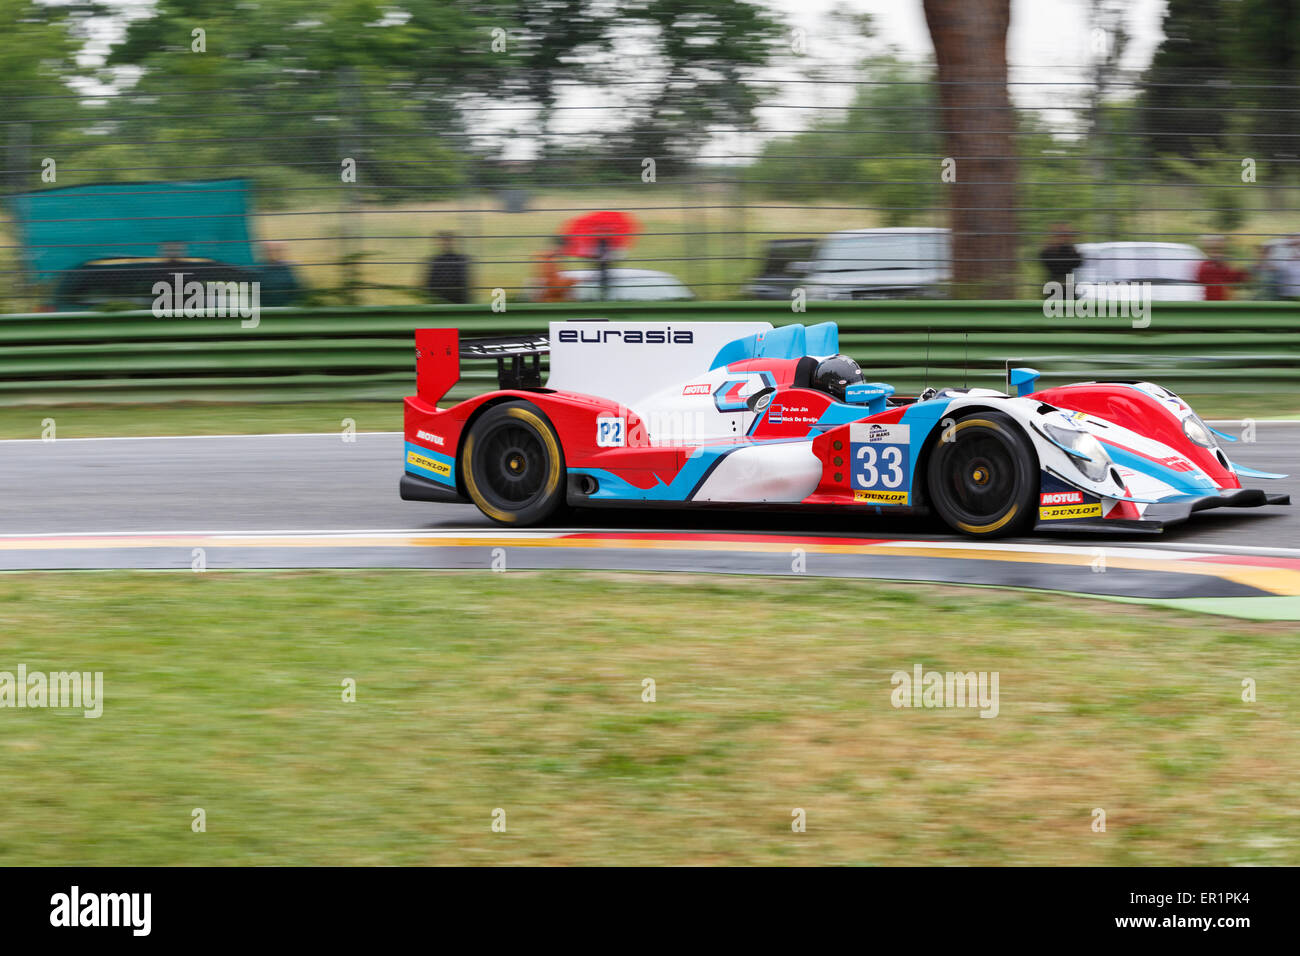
{"x":1268,"y":43}
{"x":1222,"y":86}
{"x":289,"y":87}
{"x":892,"y":168}
{"x":696,"y":76}
{"x":555,"y":38}
{"x":978,"y":123}
{"x":1186,"y":102}
{"x":38,"y":48}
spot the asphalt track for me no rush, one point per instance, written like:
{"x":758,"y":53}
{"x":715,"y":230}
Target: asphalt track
{"x":277,"y":501}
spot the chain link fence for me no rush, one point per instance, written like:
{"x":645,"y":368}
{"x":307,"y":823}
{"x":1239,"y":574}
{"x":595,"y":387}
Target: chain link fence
{"x":342,"y":187}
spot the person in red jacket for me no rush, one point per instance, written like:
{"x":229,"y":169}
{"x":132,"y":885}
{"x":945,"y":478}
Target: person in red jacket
{"x":552,"y":286}
{"x":1215,"y":274}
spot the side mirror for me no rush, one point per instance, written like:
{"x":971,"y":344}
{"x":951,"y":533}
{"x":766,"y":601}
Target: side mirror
{"x":759,"y":401}
{"x":875,"y":395}
{"x":1021,"y":381}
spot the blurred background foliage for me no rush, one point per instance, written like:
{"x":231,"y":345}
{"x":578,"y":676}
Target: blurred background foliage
{"x":443,"y":100}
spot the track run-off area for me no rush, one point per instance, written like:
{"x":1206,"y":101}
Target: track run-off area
{"x":231,"y":502}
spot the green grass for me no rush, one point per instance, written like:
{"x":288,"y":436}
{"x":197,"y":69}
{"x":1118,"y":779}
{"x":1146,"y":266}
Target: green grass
{"x":523,"y":691}
{"x":98,"y":421}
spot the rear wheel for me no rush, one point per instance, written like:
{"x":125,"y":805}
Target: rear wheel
{"x":983,"y":475}
{"x":512,"y":464}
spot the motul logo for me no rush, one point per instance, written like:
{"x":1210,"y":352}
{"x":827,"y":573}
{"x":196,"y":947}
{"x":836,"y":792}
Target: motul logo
{"x":697,"y":390}
{"x":1061,"y":498}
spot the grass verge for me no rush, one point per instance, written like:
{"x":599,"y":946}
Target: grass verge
{"x":523,"y":692}
{"x":105,"y":421}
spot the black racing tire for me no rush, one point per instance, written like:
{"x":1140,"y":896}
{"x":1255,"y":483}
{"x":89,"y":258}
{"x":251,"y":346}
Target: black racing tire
{"x":983,"y":480}
{"x":512,"y":464}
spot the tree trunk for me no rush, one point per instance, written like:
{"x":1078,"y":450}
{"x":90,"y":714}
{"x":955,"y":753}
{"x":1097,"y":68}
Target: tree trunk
{"x":970,"y":44}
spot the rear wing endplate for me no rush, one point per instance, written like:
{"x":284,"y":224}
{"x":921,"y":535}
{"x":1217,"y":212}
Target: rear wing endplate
{"x":439,"y":352}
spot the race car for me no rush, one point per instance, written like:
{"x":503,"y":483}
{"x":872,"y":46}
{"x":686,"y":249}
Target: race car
{"x":718,"y":414}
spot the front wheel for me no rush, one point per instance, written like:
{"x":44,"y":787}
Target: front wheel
{"x":983,"y":475}
{"x":512,"y":464}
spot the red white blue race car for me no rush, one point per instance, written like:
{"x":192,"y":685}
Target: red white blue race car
{"x":743,"y":414}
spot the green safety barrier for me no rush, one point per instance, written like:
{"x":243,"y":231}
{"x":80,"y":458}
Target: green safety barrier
{"x":331,"y":354}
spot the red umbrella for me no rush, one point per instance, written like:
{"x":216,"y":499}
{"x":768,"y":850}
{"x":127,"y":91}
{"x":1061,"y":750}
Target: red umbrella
{"x":582,"y":235}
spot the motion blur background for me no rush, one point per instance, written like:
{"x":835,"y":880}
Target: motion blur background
{"x":721,"y":128}
{"x":141,"y":138}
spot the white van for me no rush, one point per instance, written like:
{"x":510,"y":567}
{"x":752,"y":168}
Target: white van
{"x":1170,"y":267}
{"x":903,"y":263}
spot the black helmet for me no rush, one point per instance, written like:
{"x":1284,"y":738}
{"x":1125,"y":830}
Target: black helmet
{"x":835,"y":374}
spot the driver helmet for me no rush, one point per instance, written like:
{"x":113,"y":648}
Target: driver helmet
{"x":835,"y":374}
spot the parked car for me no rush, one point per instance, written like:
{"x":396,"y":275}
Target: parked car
{"x":627,"y":285}
{"x":784,"y":267}
{"x":127,"y":283}
{"x":902,"y":263}
{"x":1170,"y":267}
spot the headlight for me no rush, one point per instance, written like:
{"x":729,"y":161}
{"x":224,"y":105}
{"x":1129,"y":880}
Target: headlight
{"x":1085,"y":451}
{"x":1197,"y":431}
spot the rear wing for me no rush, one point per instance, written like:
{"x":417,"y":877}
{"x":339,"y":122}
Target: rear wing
{"x":439,"y":352}
{"x":514,"y":350}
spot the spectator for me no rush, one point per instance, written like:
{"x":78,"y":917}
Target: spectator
{"x":448,"y":275}
{"x":279,"y":281}
{"x":172,"y":251}
{"x":553,"y":287}
{"x":1287,"y":264}
{"x":1060,"y":258}
{"x":1215,"y":274}
{"x":1269,"y":274}
{"x":603,"y":255}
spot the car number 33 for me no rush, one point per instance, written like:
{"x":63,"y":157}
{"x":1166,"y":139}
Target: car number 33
{"x":879,"y":466}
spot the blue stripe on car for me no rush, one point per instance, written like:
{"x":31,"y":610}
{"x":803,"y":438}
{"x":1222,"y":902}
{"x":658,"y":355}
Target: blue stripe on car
{"x":1190,"y":482}
{"x":922,"y":418}
{"x":684,"y":484}
{"x":447,"y":479}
